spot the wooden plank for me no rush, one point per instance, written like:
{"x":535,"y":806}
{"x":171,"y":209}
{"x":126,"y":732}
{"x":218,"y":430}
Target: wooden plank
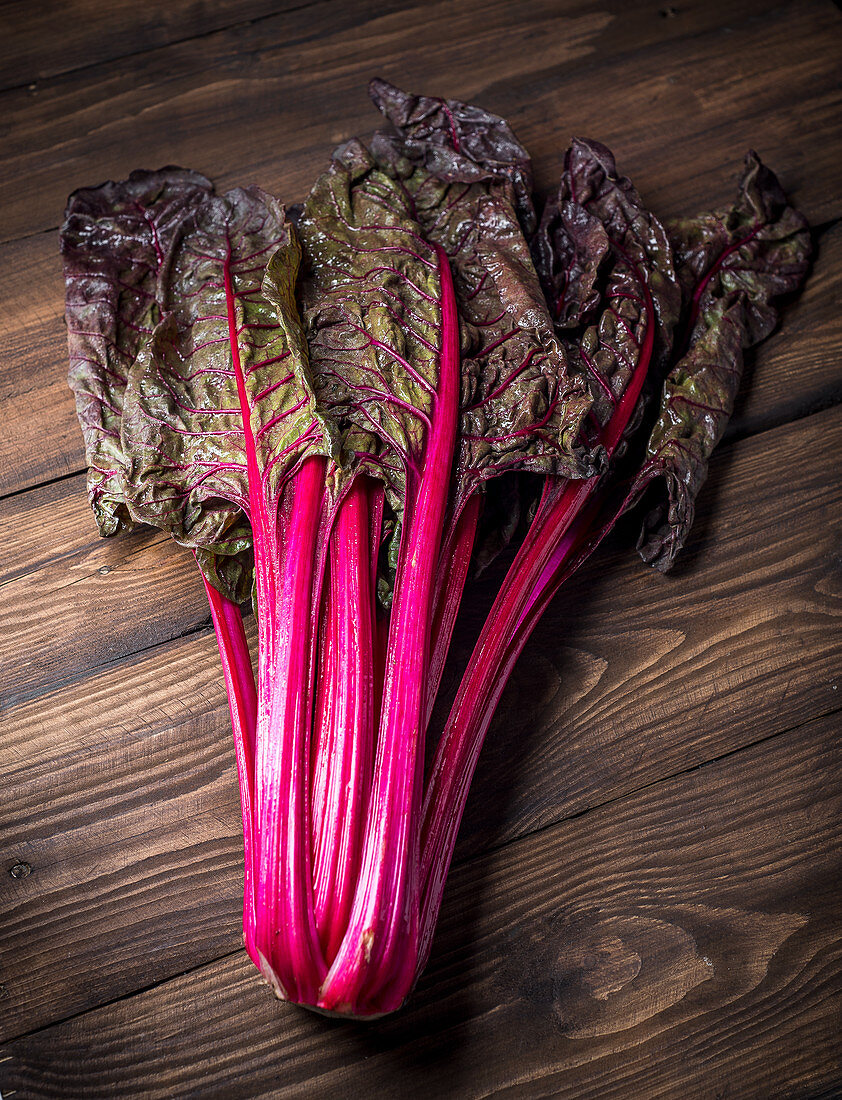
{"x":122,"y":799}
{"x":682,"y":942}
{"x":58,"y":36}
{"x":631,"y":677}
{"x":797,"y":370}
{"x":41,"y":437}
{"x":75,"y":602}
{"x":265,"y":103}
{"x":128,"y":814}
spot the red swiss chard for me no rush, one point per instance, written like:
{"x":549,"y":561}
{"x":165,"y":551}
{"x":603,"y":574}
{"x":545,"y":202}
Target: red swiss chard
{"x":321,"y":414}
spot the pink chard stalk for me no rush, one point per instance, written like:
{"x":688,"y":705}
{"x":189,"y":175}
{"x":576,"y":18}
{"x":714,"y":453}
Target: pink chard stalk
{"x":323,"y":411}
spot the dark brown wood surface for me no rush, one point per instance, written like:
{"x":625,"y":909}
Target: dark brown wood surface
{"x":646,"y":895}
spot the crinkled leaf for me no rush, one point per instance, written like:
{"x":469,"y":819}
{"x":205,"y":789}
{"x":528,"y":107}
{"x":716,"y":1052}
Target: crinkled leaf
{"x":733,"y":266}
{"x":221,"y":397}
{"x":117,"y":242}
{"x":458,"y":142}
{"x":466,"y":177}
{"x":607,"y":268}
{"x":370,"y":300}
{"x":570,"y":247}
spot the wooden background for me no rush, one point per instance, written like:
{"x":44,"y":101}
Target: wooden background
{"x":646,"y":895}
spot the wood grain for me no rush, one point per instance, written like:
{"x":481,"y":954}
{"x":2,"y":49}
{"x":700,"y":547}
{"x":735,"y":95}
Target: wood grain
{"x":45,"y":39}
{"x":682,"y":942}
{"x":76,"y":602}
{"x":58,"y":37}
{"x":123,"y":801}
{"x":631,"y":677}
{"x":266,"y":102}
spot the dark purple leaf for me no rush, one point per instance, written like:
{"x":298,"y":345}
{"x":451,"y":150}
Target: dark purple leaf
{"x":607,"y":268}
{"x":456,"y":143}
{"x":733,"y":266}
{"x":117,"y":242}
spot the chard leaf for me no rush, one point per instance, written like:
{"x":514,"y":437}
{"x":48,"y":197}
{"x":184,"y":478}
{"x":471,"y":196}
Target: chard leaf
{"x":570,"y":247}
{"x":458,"y":142}
{"x":220,"y":408}
{"x":468,"y":179}
{"x":117,"y":242}
{"x":733,"y":265}
{"x":607,"y":268}
{"x":370,"y":300}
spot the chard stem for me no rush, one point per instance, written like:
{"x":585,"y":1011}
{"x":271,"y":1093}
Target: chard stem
{"x":344,"y":758}
{"x":242,"y":702}
{"x":454,"y":559}
{"x":291,"y":955}
{"x":549,"y":553}
{"x":376,"y":963}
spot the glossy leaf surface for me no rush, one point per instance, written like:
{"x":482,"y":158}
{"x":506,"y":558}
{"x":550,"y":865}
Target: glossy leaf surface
{"x":733,"y":266}
{"x":117,"y":242}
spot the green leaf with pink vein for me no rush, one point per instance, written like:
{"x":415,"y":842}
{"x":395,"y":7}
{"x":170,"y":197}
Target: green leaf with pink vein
{"x":220,"y":406}
{"x":372,"y":316}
